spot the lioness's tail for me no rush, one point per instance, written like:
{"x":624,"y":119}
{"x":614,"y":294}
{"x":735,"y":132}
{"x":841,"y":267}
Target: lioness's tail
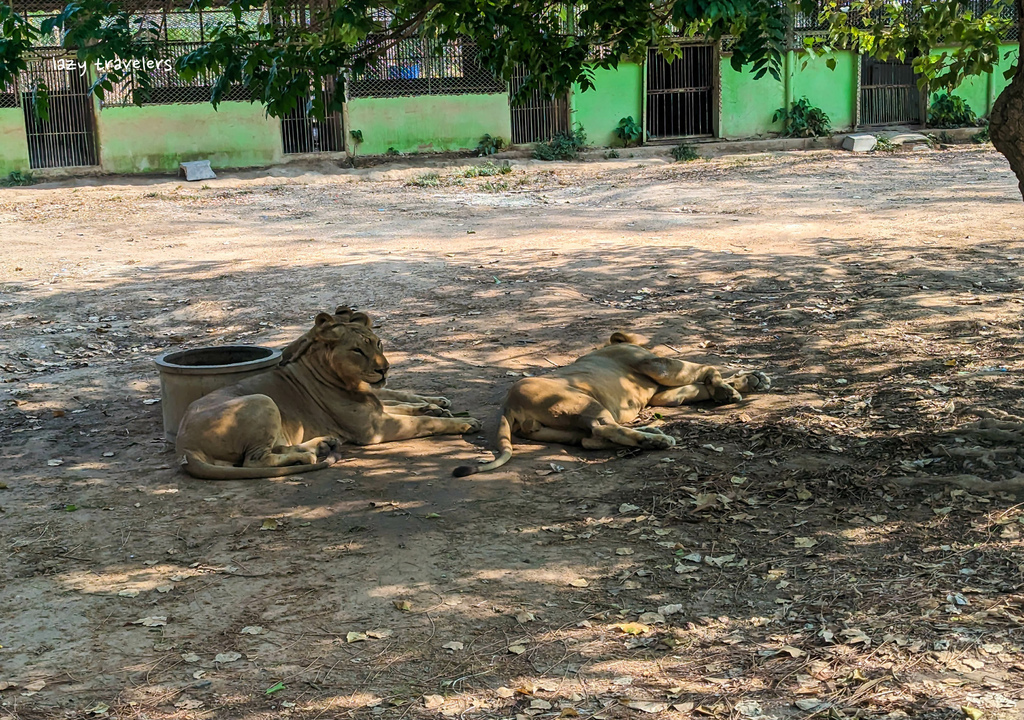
{"x":199,"y":468}
{"x":502,"y":441}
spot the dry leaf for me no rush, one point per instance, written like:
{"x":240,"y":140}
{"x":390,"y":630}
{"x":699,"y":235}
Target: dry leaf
{"x":269,"y":524}
{"x":403,"y":605}
{"x":524,"y":616}
{"x":253,"y":630}
{"x":624,"y":551}
{"x":433,"y":702}
{"x":228,"y":657}
{"x":627,"y":508}
{"x":151,"y":621}
{"x":504,"y":692}
{"x":673,"y":609}
{"x":517,"y":649}
{"x":579,"y":582}
{"x":453,"y":645}
{"x":98,"y":709}
{"x":804,"y":542}
{"x":854,"y":636}
{"x":539,"y":704}
{"x":55,"y":462}
{"x":190,"y":657}
{"x":36,"y":685}
{"x":128,"y":593}
{"x":972,"y":712}
{"x":792,"y":651}
{"x":164,"y":588}
{"x":569,"y":712}
{"x":189,"y":704}
{"x":379,"y":634}
{"x":633,"y":628}
{"x":355,"y":637}
{"x":645,"y":706}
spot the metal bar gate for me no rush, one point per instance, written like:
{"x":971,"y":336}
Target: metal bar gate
{"x":888,"y":93}
{"x":302,"y":133}
{"x":681,"y":93}
{"x":67,"y":138}
{"x":537,"y":117}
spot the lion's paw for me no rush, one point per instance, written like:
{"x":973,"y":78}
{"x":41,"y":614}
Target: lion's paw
{"x":726,"y":394}
{"x":328,"y":450}
{"x":439,"y":401}
{"x":754,"y":381}
{"x":657,"y":441}
{"x":435,"y":410}
{"x":471,"y":425}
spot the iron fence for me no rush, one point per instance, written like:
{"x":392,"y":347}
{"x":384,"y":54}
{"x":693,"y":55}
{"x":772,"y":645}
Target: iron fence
{"x":423,"y":66}
{"x":67,"y":136}
{"x":680,"y":93}
{"x":888,"y":93}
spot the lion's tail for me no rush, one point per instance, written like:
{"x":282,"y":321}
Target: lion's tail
{"x":197,"y":467}
{"x":502,"y":441}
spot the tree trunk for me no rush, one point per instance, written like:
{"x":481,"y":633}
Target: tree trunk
{"x":1006,"y":121}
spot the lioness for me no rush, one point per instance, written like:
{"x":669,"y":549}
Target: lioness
{"x":327,"y":390}
{"x":585,"y":403}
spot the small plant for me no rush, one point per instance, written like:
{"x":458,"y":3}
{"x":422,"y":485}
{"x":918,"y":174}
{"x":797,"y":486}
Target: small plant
{"x":564,"y":145}
{"x":18,"y":178}
{"x":981,"y":136}
{"x":489,"y":145}
{"x":488,"y":169}
{"x":427,"y":180}
{"x":884,"y":144}
{"x":950,"y":111}
{"x":611,"y":154}
{"x":357,"y":140}
{"x":499,"y":186}
{"x":629,"y":131}
{"x":391,"y":152}
{"x":803,"y":120}
{"x":684,"y":153}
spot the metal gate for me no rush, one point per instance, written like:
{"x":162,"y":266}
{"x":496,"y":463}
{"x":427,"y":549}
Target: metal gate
{"x":681,"y":94}
{"x":888,"y":93}
{"x":303,"y":133}
{"x":538,"y":116}
{"x":67,"y":138}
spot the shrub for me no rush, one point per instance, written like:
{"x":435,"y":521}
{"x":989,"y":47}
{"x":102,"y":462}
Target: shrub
{"x":950,"y":111}
{"x":628,"y":131}
{"x":981,"y":136}
{"x":488,"y":169}
{"x":18,"y":178}
{"x":563,"y":146}
{"x":684,"y":153}
{"x":803,"y":120}
{"x":489,"y":145}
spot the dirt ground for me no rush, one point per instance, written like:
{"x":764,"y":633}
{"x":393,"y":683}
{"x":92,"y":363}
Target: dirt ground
{"x":767,"y":566}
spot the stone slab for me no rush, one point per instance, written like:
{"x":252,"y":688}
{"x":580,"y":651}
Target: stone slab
{"x":859,"y":143}
{"x":196,"y":170}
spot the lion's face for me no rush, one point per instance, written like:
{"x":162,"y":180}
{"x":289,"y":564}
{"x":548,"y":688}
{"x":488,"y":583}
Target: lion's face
{"x":354,"y":352}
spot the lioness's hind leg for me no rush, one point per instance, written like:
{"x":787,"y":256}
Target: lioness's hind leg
{"x":280,"y":456}
{"x":603,"y":426}
{"x":748,"y":382}
{"x":554,"y":435}
{"x":673,"y":397}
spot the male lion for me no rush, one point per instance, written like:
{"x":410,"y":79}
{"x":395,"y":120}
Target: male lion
{"x":327,"y":390}
{"x":585,"y":403}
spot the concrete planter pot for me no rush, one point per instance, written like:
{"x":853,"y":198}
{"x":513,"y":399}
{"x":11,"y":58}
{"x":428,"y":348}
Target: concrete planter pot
{"x":187,"y":375}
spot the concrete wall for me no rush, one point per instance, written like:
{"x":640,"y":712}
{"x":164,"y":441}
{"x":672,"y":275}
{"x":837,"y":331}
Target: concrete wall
{"x":748,"y":104}
{"x":13,"y":143}
{"x":616,"y":94}
{"x":155,"y":138}
{"x":834,"y":91}
{"x":428,"y":123}
{"x":981,"y":91}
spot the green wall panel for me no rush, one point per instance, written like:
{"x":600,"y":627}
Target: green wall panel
{"x":428,"y":123}
{"x":834,"y":91}
{"x":13,"y":145}
{"x":748,"y":104}
{"x":616,"y":94}
{"x":155,"y":138}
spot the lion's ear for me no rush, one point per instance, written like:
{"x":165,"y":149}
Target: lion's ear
{"x":344,"y":310}
{"x":361,"y":317}
{"x":322,"y":319}
{"x":621,"y":337}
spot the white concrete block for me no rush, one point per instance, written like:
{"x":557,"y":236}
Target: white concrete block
{"x":859,"y":143}
{"x":196,"y":170}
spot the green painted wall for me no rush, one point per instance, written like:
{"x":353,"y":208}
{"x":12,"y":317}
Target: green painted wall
{"x":155,"y":138}
{"x":13,"y":145}
{"x":615,"y":95}
{"x":981,"y":91}
{"x":834,"y":91}
{"x":429,"y":123}
{"x":748,"y":104}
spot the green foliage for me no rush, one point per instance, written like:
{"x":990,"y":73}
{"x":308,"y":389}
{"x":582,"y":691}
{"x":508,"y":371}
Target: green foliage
{"x":884,"y":144}
{"x":684,"y":153}
{"x":391,"y":152}
{"x":803,"y":120}
{"x":356,"y":135}
{"x":16,"y":178}
{"x":489,"y":145}
{"x":563,"y":146}
{"x":981,"y":136}
{"x":427,"y":180}
{"x":488,"y":169}
{"x":628,"y":131}
{"x":950,"y":111}
{"x":611,"y":154}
